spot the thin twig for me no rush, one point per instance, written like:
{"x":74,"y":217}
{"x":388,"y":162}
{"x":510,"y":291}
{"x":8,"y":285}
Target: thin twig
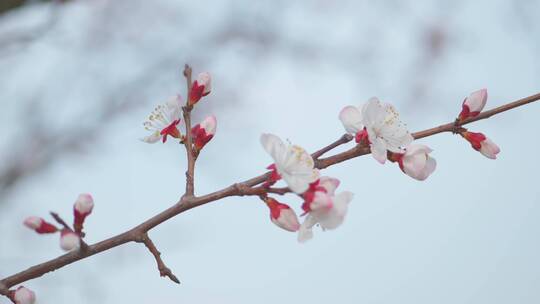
{"x":238,"y":189}
{"x":188,"y":143}
{"x":342,"y":140}
{"x":164,"y":271}
{"x":60,"y":221}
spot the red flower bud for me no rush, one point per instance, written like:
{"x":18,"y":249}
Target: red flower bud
{"x":39,"y":225}
{"x":81,"y":209}
{"x":201,"y":87}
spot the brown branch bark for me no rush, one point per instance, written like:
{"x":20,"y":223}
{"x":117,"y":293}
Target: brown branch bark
{"x":3,"y":289}
{"x":60,"y":221}
{"x":164,"y":271}
{"x":246,"y":187}
{"x":188,"y":142}
{"x":342,"y":140}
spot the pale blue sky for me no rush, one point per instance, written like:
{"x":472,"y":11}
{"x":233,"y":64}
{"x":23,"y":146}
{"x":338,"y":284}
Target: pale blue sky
{"x":469,"y":234}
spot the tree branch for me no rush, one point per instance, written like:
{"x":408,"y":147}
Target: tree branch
{"x":449,"y":127}
{"x":246,"y":187}
{"x":188,"y":142}
{"x":4,"y":290}
{"x":163,"y":269}
{"x":342,"y":140}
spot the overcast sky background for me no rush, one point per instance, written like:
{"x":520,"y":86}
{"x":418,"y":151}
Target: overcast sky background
{"x":78,"y":79}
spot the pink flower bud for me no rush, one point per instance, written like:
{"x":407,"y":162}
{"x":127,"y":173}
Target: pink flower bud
{"x":204,"y":132}
{"x":84,"y":204}
{"x":69,"y":240}
{"x":201,"y":87}
{"x":473,"y":105}
{"x":81,"y":209}
{"x":482,"y":144}
{"x":416,"y":162}
{"x":282,"y":215}
{"x":23,"y":295}
{"x":39,"y":225}
{"x":489,"y":149}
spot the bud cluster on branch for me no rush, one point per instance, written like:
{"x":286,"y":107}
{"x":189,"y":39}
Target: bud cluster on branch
{"x":375,"y":127}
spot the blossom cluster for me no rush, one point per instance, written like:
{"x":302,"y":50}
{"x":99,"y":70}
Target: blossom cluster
{"x":70,"y":237}
{"x":378,"y":125}
{"x":321,"y":204}
{"x":374,"y":124}
{"x":471,"y":107}
{"x":165,"y":119}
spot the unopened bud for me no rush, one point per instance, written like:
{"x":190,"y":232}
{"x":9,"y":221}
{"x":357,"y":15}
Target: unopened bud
{"x":23,"y":295}
{"x":69,"y":240}
{"x":81,"y":209}
{"x":473,"y":105}
{"x":202,"y":133}
{"x":39,"y":225}
{"x":282,"y":215}
{"x":201,"y":87}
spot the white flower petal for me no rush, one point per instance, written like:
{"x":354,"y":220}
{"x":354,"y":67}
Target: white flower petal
{"x":299,"y":181}
{"x":335,"y":217}
{"x":373,"y":112}
{"x":351,"y":118}
{"x":330,"y":184}
{"x":306,"y":229}
{"x":431,"y":165}
{"x":209,"y":124}
{"x":489,"y":149}
{"x":417,"y":163}
{"x":205,"y":79}
{"x":172,"y":109}
{"x":153,"y":138}
{"x":418,"y":148}
{"x":378,"y":150}
{"x":477,"y":100}
{"x":274,"y":146}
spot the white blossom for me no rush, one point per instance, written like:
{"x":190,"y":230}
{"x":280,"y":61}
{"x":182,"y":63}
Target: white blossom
{"x":292,"y":163}
{"x":328,"y":218}
{"x":381,"y":123}
{"x":163,"y":121}
{"x":416,"y":162}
